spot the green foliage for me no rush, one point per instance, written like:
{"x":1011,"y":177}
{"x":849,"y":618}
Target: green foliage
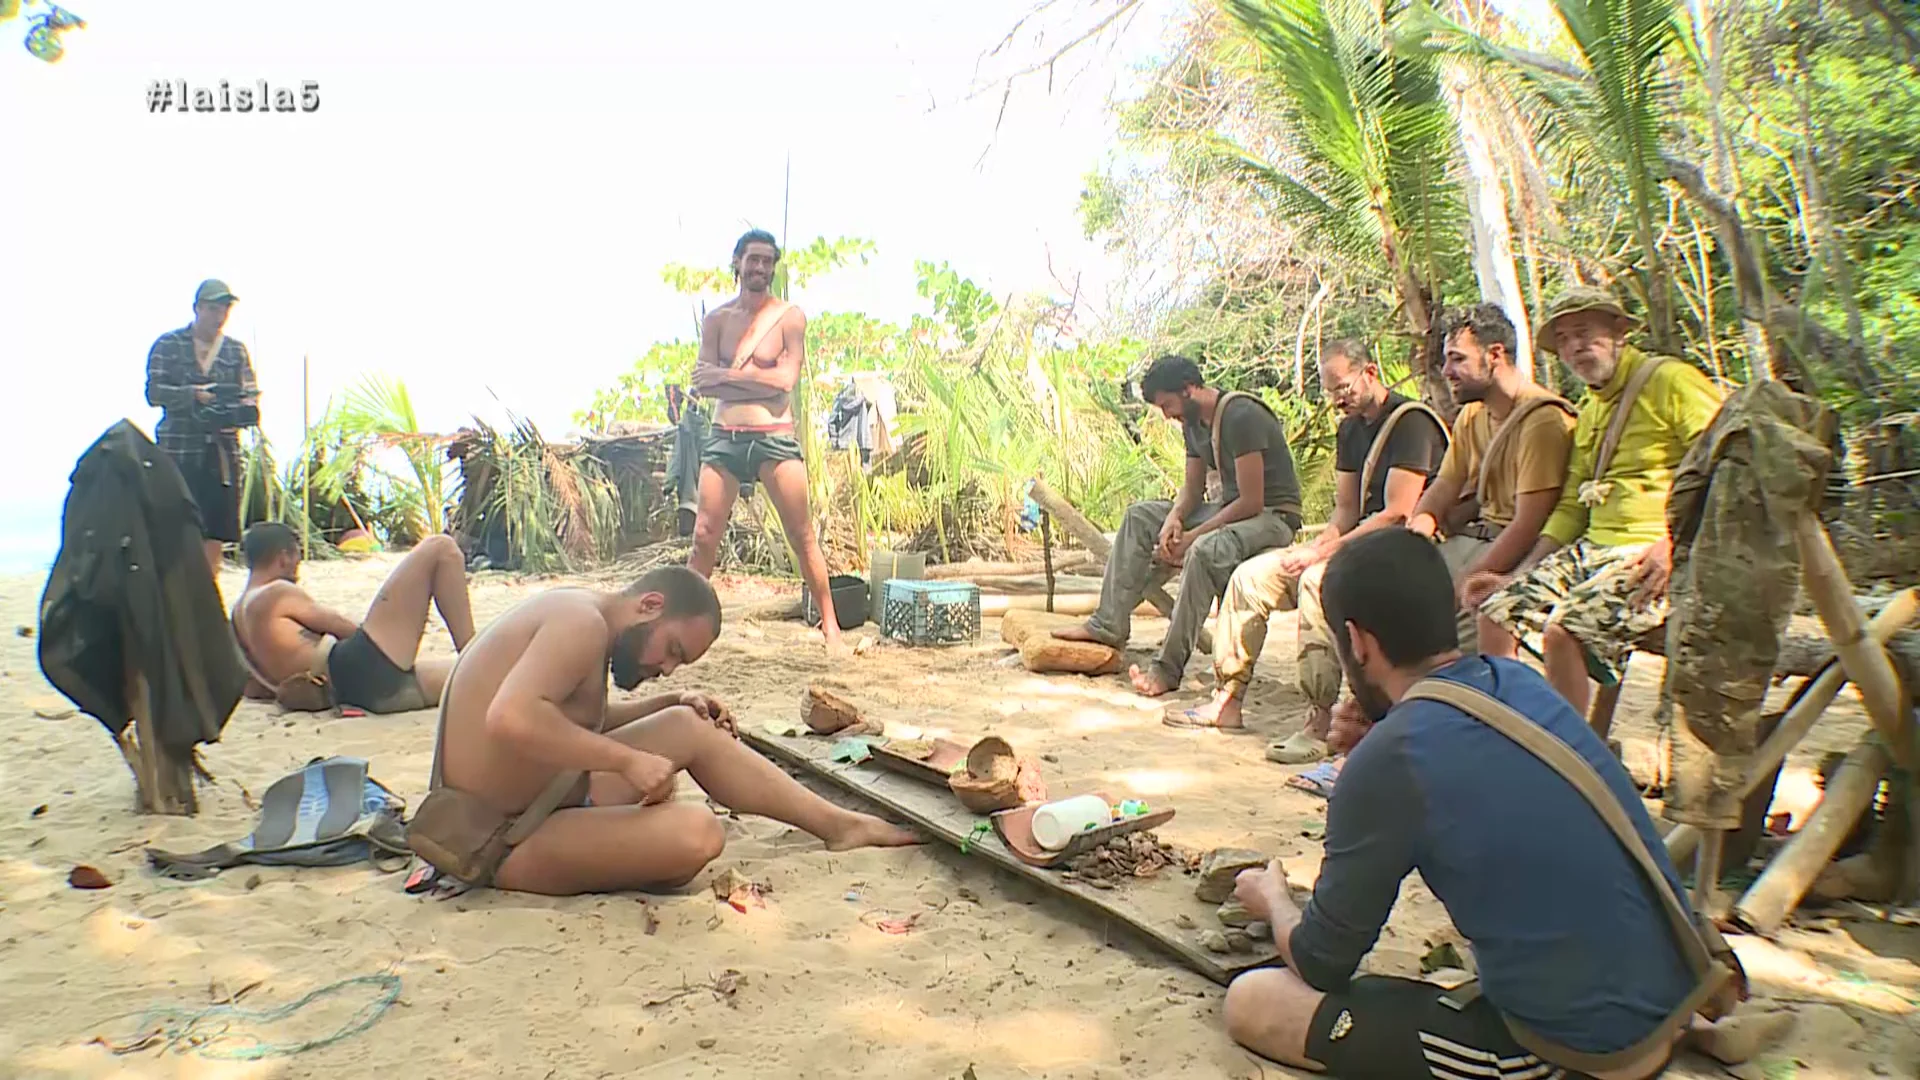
{"x":371,"y":421}
{"x":958,"y":304}
{"x":640,"y":393}
{"x":797,"y":267}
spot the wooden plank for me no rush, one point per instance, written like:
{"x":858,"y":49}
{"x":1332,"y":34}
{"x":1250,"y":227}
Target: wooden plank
{"x":1147,"y":905}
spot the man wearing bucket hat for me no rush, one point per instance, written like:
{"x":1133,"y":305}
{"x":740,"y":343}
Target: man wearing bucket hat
{"x":203,"y":382}
{"x":1596,"y":580}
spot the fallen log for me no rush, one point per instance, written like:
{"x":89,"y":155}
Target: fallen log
{"x":973,"y":570}
{"x":1081,"y":604}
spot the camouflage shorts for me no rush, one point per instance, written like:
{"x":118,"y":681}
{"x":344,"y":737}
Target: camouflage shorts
{"x":1585,"y":589}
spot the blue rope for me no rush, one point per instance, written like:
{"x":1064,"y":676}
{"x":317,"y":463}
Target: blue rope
{"x":178,"y":1026}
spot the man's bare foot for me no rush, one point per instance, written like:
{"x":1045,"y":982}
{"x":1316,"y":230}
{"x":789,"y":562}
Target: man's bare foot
{"x":1148,"y":683}
{"x":1737,"y":1039}
{"x":1223,"y":710}
{"x":1077,"y":633}
{"x":865,"y":830}
{"x":837,"y":646}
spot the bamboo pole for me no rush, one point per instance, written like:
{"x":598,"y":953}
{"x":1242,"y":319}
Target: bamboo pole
{"x":1864,"y":659}
{"x":1892,"y":620}
{"x":1793,"y":871}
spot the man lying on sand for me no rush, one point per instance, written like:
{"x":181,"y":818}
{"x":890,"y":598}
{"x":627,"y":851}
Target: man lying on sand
{"x":371,"y":666}
{"x":1583,"y":964}
{"x":529,"y":701}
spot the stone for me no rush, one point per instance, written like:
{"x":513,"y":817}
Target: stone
{"x":1219,"y":867}
{"x":1239,"y":941}
{"x":1260,"y":931}
{"x":1213,"y":941}
{"x":1234,"y":913}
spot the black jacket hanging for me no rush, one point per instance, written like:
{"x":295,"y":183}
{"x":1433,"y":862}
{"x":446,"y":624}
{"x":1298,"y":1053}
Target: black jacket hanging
{"x":131,"y":590}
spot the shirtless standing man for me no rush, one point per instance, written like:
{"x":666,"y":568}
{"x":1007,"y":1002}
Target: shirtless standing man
{"x":534,"y":704}
{"x":372,"y":664}
{"x":751,"y":351}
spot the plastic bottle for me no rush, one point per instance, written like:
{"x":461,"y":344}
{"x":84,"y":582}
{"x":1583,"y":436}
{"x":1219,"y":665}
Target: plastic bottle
{"x":1056,"y":823}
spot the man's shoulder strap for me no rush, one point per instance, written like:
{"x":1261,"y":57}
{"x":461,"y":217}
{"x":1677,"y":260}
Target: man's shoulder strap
{"x":543,"y":804}
{"x":1698,"y":941}
{"x":1379,"y":444}
{"x":1219,"y":422}
{"x":1622,"y":412}
{"x":764,"y":321}
{"x":1509,"y":430}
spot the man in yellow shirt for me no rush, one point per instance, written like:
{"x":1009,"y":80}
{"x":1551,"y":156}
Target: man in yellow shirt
{"x":1596,"y":580}
{"x":1506,"y":463}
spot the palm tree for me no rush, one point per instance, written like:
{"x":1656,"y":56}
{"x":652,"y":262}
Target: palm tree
{"x":1363,"y":161}
{"x":375,"y":415}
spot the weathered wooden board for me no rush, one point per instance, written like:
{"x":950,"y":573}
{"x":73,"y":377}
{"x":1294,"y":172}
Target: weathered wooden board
{"x":1147,"y":905}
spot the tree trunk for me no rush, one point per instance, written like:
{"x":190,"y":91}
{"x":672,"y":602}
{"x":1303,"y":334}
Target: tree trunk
{"x":1490,"y":228}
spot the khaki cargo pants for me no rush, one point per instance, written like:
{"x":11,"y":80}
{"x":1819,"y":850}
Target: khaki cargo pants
{"x":1259,"y":588}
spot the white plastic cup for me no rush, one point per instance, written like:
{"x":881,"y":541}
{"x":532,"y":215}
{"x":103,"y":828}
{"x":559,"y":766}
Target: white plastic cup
{"x":1056,"y":823}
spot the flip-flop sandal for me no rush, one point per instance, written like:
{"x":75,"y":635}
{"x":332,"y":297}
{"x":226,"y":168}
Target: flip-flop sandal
{"x":1318,"y":780}
{"x":1299,"y":748}
{"x":1191,"y":720}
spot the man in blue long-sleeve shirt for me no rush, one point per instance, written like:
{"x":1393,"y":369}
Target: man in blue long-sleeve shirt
{"x":1570,"y":938}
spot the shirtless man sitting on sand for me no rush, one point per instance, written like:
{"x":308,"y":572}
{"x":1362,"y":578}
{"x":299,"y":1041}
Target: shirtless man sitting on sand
{"x":533,"y":703}
{"x":372,"y":664}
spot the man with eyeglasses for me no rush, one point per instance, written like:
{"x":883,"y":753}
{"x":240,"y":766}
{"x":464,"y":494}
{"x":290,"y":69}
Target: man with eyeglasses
{"x":1386,"y":450}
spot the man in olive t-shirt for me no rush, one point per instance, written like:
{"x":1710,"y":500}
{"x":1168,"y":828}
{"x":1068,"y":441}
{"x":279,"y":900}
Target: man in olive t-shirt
{"x":1259,"y":508}
{"x":1490,"y":514}
{"x":1376,"y":487}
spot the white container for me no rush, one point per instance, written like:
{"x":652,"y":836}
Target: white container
{"x":1056,"y":823}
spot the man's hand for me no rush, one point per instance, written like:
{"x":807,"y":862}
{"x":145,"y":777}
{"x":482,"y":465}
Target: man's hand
{"x":1350,"y":725}
{"x":1651,"y":573}
{"x":710,"y":708}
{"x":707,"y":377}
{"x":203,"y":394}
{"x":1170,"y":534}
{"x":1260,"y":890}
{"x":1296,"y":560}
{"x":1477,"y":586}
{"x":1176,"y":552}
{"x":649,"y":773}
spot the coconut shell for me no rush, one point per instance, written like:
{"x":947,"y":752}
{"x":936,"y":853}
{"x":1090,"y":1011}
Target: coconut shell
{"x":827,"y":713}
{"x":995,"y":779}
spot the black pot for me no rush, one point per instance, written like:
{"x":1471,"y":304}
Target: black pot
{"x":849,"y":602}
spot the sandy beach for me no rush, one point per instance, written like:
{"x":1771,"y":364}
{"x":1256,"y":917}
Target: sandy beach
{"x":995,"y":980}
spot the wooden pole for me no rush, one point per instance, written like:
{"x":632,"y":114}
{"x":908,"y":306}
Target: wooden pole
{"x":1793,"y":871}
{"x":1094,"y":540}
{"x":1863,"y":657}
{"x":1706,"y":872}
{"x":1799,"y":720}
{"x":306,"y":460}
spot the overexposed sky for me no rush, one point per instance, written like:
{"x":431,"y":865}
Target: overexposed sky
{"x":482,"y":203}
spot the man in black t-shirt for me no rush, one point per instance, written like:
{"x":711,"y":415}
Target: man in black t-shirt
{"x":1385,"y":452}
{"x":1259,"y":508}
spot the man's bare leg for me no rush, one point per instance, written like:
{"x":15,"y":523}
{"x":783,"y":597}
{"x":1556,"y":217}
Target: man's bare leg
{"x":608,"y":848}
{"x":435,"y":573}
{"x":786,"y":484}
{"x":1225,"y":707}
{"x":1494,"y":639}
{"x":1566,"y":663}
{"x":718,"y":491}
{"x":1269,"y":1011}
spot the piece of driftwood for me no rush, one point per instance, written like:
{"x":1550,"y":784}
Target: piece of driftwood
{"x":1031,"y":632}
{"x":162,"y":783}
{"x":1149,"y":906}
{"x":1096,"y":541}
{"x":973,"y":570}
{"x":1799,"y":863}
{"x":1886,"y":701}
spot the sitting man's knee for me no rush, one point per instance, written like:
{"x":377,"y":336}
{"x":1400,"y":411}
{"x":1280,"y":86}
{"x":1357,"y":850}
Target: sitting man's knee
{"x":708,"y":529}
{"x":1254,"y":1001}
{"x":698,"y":838}
{"x":442,"y":545}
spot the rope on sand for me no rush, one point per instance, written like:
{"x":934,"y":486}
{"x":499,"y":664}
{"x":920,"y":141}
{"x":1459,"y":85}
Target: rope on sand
{"x":180,"y":1028}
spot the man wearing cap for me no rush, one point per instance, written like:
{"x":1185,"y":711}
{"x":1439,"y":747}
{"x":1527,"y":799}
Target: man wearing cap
{"x":1596,"y":580}
{"x":203,"y":382}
